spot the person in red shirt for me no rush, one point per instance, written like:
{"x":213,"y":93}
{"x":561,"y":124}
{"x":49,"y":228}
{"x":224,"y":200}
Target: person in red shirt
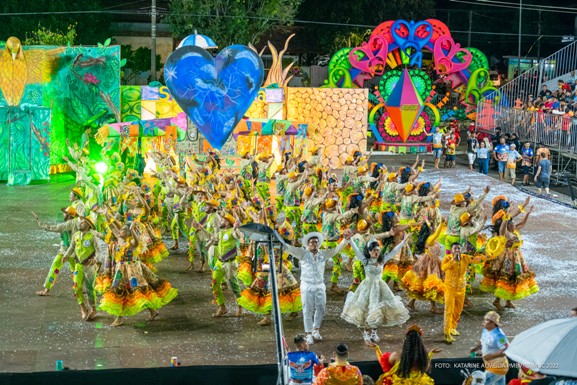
{"x":450,"y":153}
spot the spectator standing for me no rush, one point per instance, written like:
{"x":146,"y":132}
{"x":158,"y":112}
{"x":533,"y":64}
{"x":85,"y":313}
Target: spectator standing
{"x":543,"y":91}
{"x":450,"y":151}
{"x":515,"y":140}
{"x":340,"y":372}
{"x":572,"y":79}
{"x":493,"y":344}
{"x":541,"y":149}
{"x":500,"y":154}
{"x":438,"y":137}
{"x":527,"y":154}
{"x":513,"y":157}
{"x":302,"y":362}
{"x":483,"y":157}
{"x":543,"y":174}
{"x":472,"y":144}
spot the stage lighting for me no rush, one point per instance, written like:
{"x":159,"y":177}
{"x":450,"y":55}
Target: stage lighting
{"x":101,"y":167}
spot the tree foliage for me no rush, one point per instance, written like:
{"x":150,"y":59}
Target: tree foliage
{"x":90,"y":27}
{"x":137,"y":62}
{"x":45,"y":36}
{"x":360,"y":12}
{"x":230,"y":21}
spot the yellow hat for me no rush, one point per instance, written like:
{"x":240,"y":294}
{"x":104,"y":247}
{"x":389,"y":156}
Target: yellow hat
{"x":308,"y":191}
{"x":362,"y":225}
{"x":362,"y":170}
{"x":230,"y":219}
{"x":70,"y":211}
{"x":212,"y":202}
{"x":89,"y":221}
{"x":409,"y":188}
{"x":459,"y":198}
{"x":349,"y":160}
{"x":78,"y":192}
{"x":293,"y":174}
{"x":330,"y":203}
{"x":392,"y":177}
{"x":464,"y":218}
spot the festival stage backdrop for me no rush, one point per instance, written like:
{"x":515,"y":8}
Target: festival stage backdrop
{"x":395,"y":51}
{"x":333,"y":119}
{"x":24,"y":144}
{"x":80,"y":85}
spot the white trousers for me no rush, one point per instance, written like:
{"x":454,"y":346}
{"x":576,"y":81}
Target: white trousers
{"x":314,"y":299}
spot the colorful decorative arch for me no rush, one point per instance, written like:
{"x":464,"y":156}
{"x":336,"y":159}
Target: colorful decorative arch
{"x":395,"y":45}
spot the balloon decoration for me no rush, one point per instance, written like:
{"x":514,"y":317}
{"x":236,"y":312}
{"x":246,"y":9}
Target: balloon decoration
{"x":214,"y":92}
{"x":399,"y":51}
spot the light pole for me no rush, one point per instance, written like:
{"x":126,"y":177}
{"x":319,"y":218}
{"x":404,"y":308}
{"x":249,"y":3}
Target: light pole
{"x":153,"y":42}
{"x":519,"y":43}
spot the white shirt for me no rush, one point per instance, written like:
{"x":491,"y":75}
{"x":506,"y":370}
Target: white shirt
{"x":313,"y":265}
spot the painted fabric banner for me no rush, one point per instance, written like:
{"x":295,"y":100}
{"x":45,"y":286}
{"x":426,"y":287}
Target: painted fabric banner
{"x":24,"y":144}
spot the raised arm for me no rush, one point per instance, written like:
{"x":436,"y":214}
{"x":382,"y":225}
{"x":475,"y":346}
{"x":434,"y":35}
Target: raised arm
{"x":296,"y":252}
{"x":332,"y":252}
{"x":396,"y":249}
{"x":523,"y":221}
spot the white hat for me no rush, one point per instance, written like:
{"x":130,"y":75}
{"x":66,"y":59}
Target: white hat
{"x":478,"y":377}
{"x":314,"y":234}
{"x":513,"y":145}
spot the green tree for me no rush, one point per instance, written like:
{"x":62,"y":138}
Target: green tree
{"x":137,"y":62}
{"x":230,"y":22}
{"x":90,"y":27}
{"x":45,"y":36}
{"x":344,"y":14}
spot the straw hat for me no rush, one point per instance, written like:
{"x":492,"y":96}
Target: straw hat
{"x":230,"y":219}
{"x":89,"y":222}
{"x":330,"y":203}
{"x":314,"y":234}
{"x":362,"y":225}
{"x":78,"y":192}
{"x":458,"y":199}
{"x":465,"y":218}
{"x":494,"y":317}
{"x":70,"y":211}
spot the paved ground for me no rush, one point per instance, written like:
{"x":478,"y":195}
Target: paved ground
{"x":36,"y":331}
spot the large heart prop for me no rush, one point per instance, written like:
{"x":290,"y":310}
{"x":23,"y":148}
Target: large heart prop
{"x":214,"y":92}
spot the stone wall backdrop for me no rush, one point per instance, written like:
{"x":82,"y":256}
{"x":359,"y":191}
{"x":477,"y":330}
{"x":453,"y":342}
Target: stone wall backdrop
{"x":337,"y":119}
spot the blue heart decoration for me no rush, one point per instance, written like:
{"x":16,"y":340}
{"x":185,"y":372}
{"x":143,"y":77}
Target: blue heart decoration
{"x":214,"y":92}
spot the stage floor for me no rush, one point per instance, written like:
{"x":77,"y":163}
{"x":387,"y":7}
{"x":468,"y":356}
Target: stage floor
{"x":37,"y":331}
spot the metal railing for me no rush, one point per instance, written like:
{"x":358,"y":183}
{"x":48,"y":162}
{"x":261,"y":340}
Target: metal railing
{"x":504,"y":108}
